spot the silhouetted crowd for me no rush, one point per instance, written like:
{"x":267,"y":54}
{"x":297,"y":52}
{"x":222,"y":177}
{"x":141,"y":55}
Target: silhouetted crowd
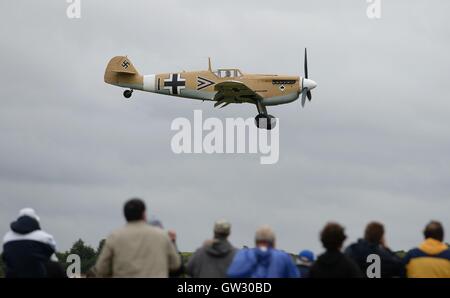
{"x":143,"y":248}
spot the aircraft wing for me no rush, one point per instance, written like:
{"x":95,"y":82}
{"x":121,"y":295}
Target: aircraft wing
{"x":234,"y":92}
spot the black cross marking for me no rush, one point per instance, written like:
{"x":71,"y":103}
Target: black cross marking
{"x":125,"y":64}
{"x":174,"y":83}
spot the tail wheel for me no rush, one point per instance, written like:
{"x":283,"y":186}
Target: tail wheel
{"x":127,"y":93}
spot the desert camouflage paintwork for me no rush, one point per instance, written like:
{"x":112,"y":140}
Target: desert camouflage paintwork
{"x":203,"y":84}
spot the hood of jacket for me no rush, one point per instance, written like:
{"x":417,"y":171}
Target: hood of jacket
{"x":263,"y":256}
{"x":219,"y":248}
{"x":362,"y":248}
{"x":25,"y":225}
{"x":258,"y":256}
{"x":432,"y":246}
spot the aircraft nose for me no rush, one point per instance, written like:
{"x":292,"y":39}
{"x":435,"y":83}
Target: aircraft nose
{"x":310,"y":84}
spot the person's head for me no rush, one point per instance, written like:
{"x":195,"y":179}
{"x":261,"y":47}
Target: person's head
{"x":27,"y":222}
{"x":134,"y":210}
{"x":306,"y":257}
{"x":374,"y":232}
{"x":332,"y":236}
{"x":265,"y":237}
{"x":434,"y":230}
{"x":222,"y":229}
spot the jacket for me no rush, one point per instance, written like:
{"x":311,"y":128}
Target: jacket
{"x":391,"y":264}
{"x":211,"y":260}
{"x":137,"y":250}
{"x":257,"y":263}
{"x":304,"y":271}
{"x":27,"y":249}
{"x":430,"y":259}
{"x":334,"y":264}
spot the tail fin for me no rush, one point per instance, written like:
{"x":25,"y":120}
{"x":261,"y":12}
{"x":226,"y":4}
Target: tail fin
{"x":121,"y":72}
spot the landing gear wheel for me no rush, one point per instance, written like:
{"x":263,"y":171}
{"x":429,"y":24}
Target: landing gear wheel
{"x":264,"y":121}
{"x":127,"y":93}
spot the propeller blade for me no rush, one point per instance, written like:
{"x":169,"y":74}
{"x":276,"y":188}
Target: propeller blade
{"x":306,"y":64}
{"x":306,"y":92}
{"x":303,"y":97}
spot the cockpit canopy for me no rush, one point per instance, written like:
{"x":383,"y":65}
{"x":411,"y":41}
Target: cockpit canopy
{"x":228,"y":73}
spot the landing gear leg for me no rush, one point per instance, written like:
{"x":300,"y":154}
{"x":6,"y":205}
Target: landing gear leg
{"x":261,"y":108}
{"x":127,"y":93}
{"x":264,"y":120}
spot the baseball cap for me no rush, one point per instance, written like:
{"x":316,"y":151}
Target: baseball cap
{"x":222,"y":227}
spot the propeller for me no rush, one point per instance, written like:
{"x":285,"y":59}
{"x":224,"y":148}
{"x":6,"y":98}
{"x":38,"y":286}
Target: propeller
{"x":305,"y":66}
{"x":307,"y":84}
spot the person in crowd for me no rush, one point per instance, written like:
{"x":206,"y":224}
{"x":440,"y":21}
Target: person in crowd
{"x":156,"y":223}
{"x":173,"y":237}
{"x":180,"y":271}
{"x":27,"y":250}
{"x":304,"y":262}
{"x":137,"y":249}
{"x":374,"y":243}
{"x":432,"y":258}
{"x":55,"y":269}
{"x":215,"y":256}
{"x":263,"y":261}
{"x":333,"y":263}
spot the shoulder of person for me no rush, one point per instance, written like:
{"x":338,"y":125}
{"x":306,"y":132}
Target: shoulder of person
{"x":245,"y":253}
{"x":199,"y":251}
{"x":385,"y":252}
{"x":411,"y":254}
{"x":283,"y":254}
{"x":38,"y":236}
{"x":157,"y":233}
{"x":351,"y":263}
{"x":350,"y":248}
{"x":349,"y":260}
{"x":445,"y":254}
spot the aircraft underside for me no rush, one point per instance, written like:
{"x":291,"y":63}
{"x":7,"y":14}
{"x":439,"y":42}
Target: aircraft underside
{"x":262,"y":120}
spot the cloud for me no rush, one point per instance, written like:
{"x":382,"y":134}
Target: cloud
{"x":372,"y":144}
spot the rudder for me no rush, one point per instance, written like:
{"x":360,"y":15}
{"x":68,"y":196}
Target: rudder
{"x":120,"y":71}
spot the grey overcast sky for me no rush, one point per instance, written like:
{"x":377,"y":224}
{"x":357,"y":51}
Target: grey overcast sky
{"x":372,"y":145}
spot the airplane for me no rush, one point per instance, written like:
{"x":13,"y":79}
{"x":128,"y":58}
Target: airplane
{"x":223,"y":86}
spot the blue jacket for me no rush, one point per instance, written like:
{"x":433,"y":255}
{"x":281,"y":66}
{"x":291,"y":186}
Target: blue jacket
{"x":27,"y":249}
{"x":256,"y":263}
